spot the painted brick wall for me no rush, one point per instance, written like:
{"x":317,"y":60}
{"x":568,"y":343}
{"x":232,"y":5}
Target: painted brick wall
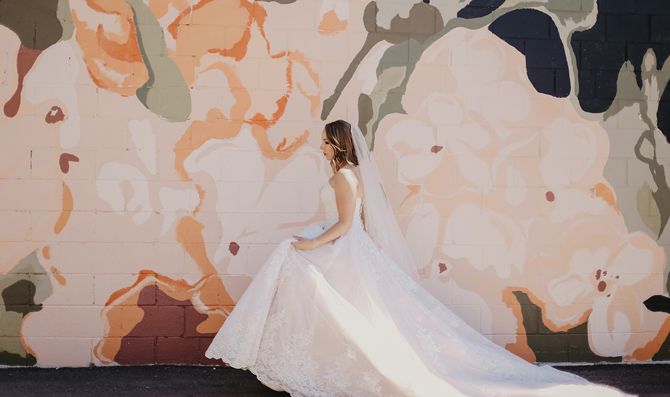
{"x":154,"y":152}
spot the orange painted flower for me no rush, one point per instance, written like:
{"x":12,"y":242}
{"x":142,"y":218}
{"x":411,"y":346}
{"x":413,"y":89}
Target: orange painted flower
{"x":239,"y":54}
{"x":107,"y":36}
{"x":334,"y":15}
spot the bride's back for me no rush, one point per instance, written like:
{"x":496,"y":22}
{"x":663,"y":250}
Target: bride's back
{"x":353,"y":178}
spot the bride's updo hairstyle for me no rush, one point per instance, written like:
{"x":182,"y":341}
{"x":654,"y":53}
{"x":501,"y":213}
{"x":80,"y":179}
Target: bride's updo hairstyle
{"x":338,"y":133}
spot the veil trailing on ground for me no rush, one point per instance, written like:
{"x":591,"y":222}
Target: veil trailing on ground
{"x":380,"y":221}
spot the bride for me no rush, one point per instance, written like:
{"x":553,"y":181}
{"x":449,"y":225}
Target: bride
{"x":336,"y":310}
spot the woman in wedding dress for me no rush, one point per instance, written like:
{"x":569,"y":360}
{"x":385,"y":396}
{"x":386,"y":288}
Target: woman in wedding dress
{"x":336,"y":310}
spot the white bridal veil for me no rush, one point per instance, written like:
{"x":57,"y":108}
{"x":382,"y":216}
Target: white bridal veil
{"x":380,"y":221}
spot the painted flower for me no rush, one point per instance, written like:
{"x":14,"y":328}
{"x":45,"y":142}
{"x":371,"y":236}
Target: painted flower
{"x":510,"y":184}
{"x":602,"y":274}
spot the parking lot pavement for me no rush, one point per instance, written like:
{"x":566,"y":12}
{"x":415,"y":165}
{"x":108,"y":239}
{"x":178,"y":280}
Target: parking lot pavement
{"x":641,"y":379}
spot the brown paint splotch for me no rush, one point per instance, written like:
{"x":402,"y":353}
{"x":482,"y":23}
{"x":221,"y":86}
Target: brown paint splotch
{"x":234,"y":248}
{"x":66,"y":209}
{"x":331,"y":24}
{"x":64,"y":161}
{"x":159,"y":320}
{"x":54,"y":115}
{"x":436,"y":149}
{"x":166,"y":334}
{"x":602,"y":285}
{"x":25,"y":59}
{"x":122,"y":314}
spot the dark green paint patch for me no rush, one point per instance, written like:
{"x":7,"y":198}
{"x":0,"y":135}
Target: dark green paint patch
{"x":16,"y":359}
{"x":663,"y":353}
{"x":39,"y":24}
{"x":35,"y":22}
{"x":20,"y":296}
{"x":550,"y":346}
{"x":660,"y":303}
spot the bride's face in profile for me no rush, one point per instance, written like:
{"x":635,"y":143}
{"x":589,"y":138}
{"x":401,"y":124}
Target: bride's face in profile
{"x":326,"y":147}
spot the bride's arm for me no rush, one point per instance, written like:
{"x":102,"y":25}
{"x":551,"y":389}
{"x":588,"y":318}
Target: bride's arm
{"x":344,"y":196}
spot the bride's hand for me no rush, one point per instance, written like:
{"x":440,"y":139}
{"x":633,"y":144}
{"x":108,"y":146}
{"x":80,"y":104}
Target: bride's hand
{"x":302,"y":243}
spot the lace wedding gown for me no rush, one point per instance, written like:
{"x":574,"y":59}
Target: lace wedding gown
{"x":344,"y":320}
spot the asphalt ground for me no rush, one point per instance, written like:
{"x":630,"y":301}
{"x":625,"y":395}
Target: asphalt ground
{"x":641,"y":379}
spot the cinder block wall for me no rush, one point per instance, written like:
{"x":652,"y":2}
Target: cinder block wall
{"x":155,"y":152}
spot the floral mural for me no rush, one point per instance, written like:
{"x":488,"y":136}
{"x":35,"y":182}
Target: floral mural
{"x":156,"y":151}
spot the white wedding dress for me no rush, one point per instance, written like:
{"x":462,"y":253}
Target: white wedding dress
{"x":344,"y":320}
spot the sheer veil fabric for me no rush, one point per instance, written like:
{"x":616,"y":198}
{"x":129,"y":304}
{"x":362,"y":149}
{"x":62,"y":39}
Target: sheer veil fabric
{"x":380,"y":221}
{"x":349,"y":319}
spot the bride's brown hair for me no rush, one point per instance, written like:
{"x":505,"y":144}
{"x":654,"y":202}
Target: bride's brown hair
{"x":338,"y":133}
